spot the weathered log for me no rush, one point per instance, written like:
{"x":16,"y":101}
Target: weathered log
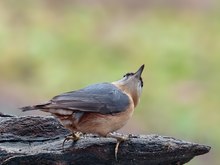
{"x":38,"y":140}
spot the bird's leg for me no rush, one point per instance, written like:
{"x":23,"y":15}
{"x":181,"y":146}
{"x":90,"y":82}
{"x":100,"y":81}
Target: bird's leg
{"x":119,"y":140}
{"x":75,"y":136}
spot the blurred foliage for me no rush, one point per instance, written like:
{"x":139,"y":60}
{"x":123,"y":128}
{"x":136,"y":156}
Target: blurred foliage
{"x":49,"y":47}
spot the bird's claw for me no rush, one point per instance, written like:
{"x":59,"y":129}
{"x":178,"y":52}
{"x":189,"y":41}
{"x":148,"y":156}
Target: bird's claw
{"x":74,"y":136}
{"x":119,"y":140}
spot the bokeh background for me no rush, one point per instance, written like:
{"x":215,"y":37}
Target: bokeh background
{"x":49,"y":46}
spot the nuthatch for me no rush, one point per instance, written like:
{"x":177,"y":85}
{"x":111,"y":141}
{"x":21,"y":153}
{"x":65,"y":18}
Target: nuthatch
{"x":99,"y":108}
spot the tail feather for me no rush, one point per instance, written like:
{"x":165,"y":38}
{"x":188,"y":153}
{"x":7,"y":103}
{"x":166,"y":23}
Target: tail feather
{"x":33,"y":107}
{"x":28,"y":108}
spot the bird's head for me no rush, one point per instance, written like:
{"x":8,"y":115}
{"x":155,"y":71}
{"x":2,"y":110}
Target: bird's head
{"x":132,"y":84}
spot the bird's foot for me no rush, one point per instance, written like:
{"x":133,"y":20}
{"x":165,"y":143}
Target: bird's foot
{"x":75,"y":136}
{"x":119,"y":139}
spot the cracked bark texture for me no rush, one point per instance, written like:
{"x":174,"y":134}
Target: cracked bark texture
{"x":38,"y":140}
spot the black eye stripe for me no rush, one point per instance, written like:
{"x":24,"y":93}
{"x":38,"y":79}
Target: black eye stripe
{"x":142,"y":83}
{"x":130,"y":74}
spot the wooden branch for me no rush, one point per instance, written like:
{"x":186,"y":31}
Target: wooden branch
{"x":38,"y":140}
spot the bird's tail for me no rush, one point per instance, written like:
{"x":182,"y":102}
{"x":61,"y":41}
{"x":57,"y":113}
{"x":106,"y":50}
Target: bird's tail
{"x":33,"y":107}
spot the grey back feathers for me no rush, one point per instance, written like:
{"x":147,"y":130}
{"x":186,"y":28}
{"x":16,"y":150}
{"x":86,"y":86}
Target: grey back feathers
{"x":103,"y":98}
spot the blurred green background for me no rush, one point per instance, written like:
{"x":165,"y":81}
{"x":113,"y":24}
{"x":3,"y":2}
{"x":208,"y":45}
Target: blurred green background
{"x":49,"y":46}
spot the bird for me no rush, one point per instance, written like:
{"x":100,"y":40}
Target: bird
{"x":101,"y":108}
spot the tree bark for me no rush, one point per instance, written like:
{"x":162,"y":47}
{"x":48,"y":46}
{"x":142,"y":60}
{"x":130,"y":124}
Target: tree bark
{"x":38,"y":140}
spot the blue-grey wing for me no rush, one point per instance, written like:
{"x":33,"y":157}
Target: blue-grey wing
{"x":104,"y":98}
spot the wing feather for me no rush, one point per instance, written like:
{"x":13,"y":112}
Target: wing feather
{"x":104,"y":98}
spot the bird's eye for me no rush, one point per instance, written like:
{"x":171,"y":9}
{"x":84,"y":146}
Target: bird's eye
{"x":130,"y":74}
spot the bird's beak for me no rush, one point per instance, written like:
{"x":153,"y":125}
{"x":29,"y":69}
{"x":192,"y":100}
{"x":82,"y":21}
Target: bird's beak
{"x":139,"y":72}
